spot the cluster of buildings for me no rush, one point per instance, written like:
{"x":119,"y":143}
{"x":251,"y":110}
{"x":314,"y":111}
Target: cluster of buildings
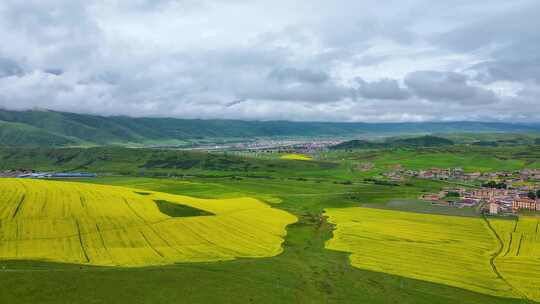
{"x":494,"y":201}
{"x":506,"y":200}
{"x":289,"y":146}
{"x":364,"y":167}
{"x":13,"y":173}
{"x":30,"y":174}
{"x":506,"y":177}
{"x":298,"y":146}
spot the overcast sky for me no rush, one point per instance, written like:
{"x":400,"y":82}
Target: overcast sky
{"x":338,"y":60}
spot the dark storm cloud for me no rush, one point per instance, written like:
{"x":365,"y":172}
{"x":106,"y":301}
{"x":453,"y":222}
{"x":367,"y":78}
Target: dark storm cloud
{"x":523,"y":70}
{"x":9,"y":67}
{"x":447,"y":87}
{"x":54,"y":71}
{"x":511,"y":39}
{"x":302,"y":92}
{"x":510,"y":31}
{"x":382,"y":89}
{"x":298,"y":75}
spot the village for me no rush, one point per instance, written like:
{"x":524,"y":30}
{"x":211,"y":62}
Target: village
{"x":496,"y":193}
{"x":458,"y":174}
{"x":489,"y":200}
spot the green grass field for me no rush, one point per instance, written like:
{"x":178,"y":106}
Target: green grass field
{"x":304,"y":272}
{"x":470,"y":158}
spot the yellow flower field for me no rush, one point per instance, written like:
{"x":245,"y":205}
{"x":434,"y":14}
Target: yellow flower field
{"x":116,"y":226}
{"x":455,"y":251}
{"x":296,"y":157}
{"x":519,"y":261}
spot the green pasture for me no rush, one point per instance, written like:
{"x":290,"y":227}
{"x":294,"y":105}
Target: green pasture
{"x":304,"y":273}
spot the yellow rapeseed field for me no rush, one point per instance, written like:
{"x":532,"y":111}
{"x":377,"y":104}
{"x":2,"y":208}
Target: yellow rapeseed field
{"x":116,"y":226}
{"x":296,"y":157}
{"x":456,"y":251}
{"x":519,"y":260}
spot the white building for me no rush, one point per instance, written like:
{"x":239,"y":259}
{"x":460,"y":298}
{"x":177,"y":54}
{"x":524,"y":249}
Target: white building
{"x":493,"y":208}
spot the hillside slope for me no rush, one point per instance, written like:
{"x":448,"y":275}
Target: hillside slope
{"x":422,"y":141}
{"x":17,"y":134}
{"x":59,"y":128}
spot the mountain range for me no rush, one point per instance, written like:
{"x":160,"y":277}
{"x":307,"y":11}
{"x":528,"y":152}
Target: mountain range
{"x":51,"y":128}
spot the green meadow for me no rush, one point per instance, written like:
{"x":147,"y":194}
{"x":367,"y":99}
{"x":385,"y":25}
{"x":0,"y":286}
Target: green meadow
{"x":305,"y":272}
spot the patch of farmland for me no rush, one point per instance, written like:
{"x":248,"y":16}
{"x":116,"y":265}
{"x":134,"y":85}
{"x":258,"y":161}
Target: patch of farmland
{"x":296,"y":157}
{"x":116,"y":226}
{"x":519,"y":261}
{"x":451,"y":250}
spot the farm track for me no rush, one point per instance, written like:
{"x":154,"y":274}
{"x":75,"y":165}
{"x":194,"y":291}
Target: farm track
{"x":150,"y":245}
{"x":496,"y":255}
{"x":19,"y":205}
{"x":509,"y":245}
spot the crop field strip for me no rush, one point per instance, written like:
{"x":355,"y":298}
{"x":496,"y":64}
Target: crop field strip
{"x":115,"y":226}
{"x":456,"y":251}
{"x":519,"y":261}
{"x":296,"y":157}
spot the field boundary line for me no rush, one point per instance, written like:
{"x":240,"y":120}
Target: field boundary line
{"x":151,"y":227}
{"x":103,"y":241}
{"x":495,"y":255}
{"x":18,"y":206}
{"x":509,"y":244}
{"x":135,"y":212}
{"x":519,"y":246}
{"x":81,"y":241}
{"x":138,"y":225}
{"x":150,"y":245}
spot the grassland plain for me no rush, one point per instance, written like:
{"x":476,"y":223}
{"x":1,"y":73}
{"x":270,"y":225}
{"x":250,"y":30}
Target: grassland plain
{"x":116,"y":226}
{"x":470,"y":158}
{"x":305,"y":272}
{"x":451,"y":250}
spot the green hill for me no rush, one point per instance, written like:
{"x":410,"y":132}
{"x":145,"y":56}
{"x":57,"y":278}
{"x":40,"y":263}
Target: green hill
{"x":149,"y":162}
{"x":50,"y":128}
{"x":422,"y":141}
{"x":357,"y":144}
{"x":17,"y":134}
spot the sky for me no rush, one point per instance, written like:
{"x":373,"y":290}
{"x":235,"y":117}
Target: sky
{"x":305,"y":60}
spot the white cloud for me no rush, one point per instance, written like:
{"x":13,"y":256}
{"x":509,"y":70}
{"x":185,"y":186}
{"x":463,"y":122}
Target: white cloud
{"x":299,"y":60}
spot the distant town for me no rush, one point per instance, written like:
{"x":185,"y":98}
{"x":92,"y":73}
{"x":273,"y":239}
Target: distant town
{"x":498,"y":193}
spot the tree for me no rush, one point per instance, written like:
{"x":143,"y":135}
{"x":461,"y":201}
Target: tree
{"x":501,"y":186}
{"x":538,"y":193}
{"x":531,"y":195}
{"x":494,"y":185}
{"x":490,"y":184}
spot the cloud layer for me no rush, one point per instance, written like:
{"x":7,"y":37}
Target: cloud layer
{"x":296,"y":60}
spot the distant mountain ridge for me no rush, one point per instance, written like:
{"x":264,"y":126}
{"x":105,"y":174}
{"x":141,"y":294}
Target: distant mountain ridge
{"x":51,"y":128}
